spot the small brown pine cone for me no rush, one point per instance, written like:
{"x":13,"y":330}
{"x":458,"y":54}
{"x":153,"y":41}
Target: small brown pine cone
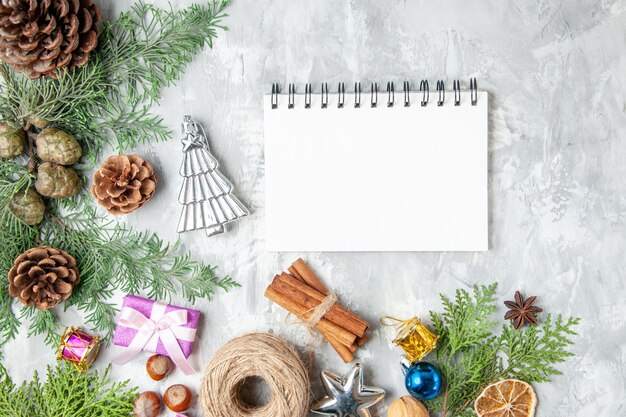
{"x":42,"y":277}
{"x":123,"y":183}
{"x":38,"y":37}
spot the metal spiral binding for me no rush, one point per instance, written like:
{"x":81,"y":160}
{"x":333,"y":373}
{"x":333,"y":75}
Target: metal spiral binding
{"x":424,"y":90}
{"x":473,"y":91}
{"x":391,"y":94}
{"x":275,"y":93}
{"x":341,"y":95}
{"x":456,"y":86}
{"x":308,"y":90}
{"x":374,"y":94}
{"x":441,"y":91}
{"x":292,"y":95}
{"x":324,"y":95}
{"x":407,"y":94}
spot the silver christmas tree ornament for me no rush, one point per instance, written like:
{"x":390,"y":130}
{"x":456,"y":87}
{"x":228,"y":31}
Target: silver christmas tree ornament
{"x":206,"y":195}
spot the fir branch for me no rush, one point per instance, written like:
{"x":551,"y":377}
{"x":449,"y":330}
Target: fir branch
{"x":99,"y":313}
{"x":113,"y":257}
{"x":42,"y":322}
{"x":9,"y":323}
{"x":471,"y":356}
{"x":14,"y":177}
{"x":205,"y":283}
{"x":66,"y":393}
{"x":133,"y":124}
{"x":16,"y":237}
{"x":150,"y":47}
{"x":107,"y":102}
{"x":54,"y":100}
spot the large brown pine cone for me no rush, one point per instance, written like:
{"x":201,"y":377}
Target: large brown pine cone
{"x":39,"y":36}
{"x":123,"y":183}
{"x":42,"y":277}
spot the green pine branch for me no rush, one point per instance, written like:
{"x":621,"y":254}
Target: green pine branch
{"x":148,"y":48}
{"x":471,"y":356}
{"x":15,"y":236}
{"x":66,"y":393}
{"x":106,"y":103}
{"x":9,"y":323}
{"x":42,"y":322}
{"x":110,"y":257}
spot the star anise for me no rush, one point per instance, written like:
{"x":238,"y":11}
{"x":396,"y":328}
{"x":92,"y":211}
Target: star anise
{"x":522,"y":311}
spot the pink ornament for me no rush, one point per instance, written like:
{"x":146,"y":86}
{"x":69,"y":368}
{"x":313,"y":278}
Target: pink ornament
{"x":78,"y":348}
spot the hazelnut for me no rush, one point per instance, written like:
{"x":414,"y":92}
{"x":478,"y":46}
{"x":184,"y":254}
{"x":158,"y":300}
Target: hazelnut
{"x":148,"y":404}
{"x":407,"y":407}
{"x":158,"y":366}
{"x":177,"y":397}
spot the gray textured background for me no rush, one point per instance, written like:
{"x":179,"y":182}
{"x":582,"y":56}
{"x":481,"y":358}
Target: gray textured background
{"x":556,"y":72}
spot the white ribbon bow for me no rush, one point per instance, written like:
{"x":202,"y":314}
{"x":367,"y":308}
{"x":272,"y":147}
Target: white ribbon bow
{"x":169,"y":328}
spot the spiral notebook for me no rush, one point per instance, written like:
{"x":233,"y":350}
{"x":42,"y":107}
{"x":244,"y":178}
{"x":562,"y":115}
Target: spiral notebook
{"x":388,"y":170}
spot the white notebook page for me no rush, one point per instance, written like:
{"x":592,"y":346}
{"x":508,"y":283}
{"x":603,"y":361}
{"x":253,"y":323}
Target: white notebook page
{"x":376,"y":179}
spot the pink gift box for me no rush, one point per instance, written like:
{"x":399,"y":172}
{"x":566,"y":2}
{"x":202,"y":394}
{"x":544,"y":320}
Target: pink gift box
{"x":124,"y":335}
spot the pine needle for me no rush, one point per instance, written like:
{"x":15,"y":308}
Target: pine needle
{"x":108,"y":101}
{"x":105,"y":103}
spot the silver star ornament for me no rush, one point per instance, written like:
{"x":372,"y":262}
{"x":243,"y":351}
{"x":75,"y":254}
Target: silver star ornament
{"x":347,"y":397}
{"x":194,"y":135}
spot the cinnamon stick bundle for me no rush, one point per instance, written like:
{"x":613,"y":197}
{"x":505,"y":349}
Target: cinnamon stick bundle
{"x":301,"y":292}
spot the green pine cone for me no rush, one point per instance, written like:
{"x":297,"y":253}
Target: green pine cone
{"x":11,"y":141}
{"x":28,"y":206}
{"x":58,"y":146}
{"x":57,"y":181}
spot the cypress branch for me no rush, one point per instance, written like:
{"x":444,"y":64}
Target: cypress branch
{"x":471,"y":356}
{"x":106,"y":103}
{"x":67,"y":393}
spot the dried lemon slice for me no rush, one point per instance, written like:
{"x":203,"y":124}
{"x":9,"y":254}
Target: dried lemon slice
{"x":508,"y":398}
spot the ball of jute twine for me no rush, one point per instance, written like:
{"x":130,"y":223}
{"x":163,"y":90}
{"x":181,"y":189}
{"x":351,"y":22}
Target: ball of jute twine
{"x":259,"y":355}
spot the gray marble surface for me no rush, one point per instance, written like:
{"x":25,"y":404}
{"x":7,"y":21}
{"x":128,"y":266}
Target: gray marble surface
{"x":556,"y":73}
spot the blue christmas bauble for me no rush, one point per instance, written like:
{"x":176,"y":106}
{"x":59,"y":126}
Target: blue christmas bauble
{"x":423,"y":380}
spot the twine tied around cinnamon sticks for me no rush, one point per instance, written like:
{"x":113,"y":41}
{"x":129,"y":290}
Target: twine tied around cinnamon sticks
{"x":320,"y":311}
{"x":303,"y":294}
